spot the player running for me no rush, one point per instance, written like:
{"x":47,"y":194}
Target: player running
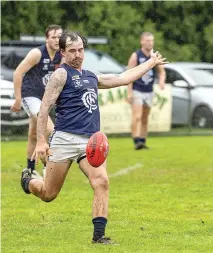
{"x":30,"y":79}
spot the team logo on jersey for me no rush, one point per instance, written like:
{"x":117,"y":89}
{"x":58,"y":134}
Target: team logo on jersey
{"x":45,"y":67}
{"x":46,"y":79}
{"x":46,"y":60}
{"x":77,"y":83}
{"x":75,"y":77}
{"x":89,"y":99}
{"x":142,"y":59}
{"x":148,"y":77}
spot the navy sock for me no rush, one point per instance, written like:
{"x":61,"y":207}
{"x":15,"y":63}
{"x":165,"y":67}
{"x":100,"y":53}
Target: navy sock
{"x":136,"y":140}
{"x":30,"y":164}
{"x":143,"y":140}
{"x":99,"y":227}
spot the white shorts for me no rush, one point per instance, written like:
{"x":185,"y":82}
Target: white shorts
{"x":31,"y":105}
{"x":66,"y":146}
{"x":142,"y":98}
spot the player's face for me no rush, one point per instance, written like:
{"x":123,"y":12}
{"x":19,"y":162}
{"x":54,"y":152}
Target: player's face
{"x":74,"y":53}
{"x":147,"y":42}
{"x":53,"y":39}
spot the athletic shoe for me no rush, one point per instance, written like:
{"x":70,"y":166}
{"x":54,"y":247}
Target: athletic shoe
{"x":26,"y":176}
{"x":138,"y":146}
{"x":104,"y":240}
{"x":144,"y":146}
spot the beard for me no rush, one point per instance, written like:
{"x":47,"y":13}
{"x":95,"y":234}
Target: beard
{"x":76,"y":63}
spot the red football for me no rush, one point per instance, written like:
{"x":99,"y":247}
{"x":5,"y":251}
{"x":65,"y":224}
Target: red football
{"x":97,"y":149}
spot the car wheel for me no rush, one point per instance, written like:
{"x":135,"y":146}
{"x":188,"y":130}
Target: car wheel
{"x":202,"y":117}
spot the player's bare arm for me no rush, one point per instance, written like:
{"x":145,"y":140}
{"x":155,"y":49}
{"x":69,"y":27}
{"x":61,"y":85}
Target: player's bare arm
{"x":110,"y":81}
{"x":32,"y":58}
{"x":131,"y":64}
{"x":52,"y":91}
{"x":161,"y":75}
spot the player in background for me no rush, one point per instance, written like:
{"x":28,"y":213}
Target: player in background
{"x":140,"y":92}
{"x":30,"y":79}
{"x":74,"y":91}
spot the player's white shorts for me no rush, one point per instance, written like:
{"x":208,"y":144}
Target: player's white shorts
{"x":66,"y":146}
{"x":31,"y":105}
{"x":142,"y":98}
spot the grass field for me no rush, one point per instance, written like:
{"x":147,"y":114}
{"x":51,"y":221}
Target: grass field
{"x":163,"y":205}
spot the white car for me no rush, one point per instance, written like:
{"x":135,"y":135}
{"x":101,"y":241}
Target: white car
{"x":11,"y":120}
{"x":192,"y":93}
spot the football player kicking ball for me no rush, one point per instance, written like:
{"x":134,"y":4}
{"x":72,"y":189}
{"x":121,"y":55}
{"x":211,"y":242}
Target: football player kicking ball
{"x":75,"y":93}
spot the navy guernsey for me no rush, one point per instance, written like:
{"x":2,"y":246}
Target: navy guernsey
{"x":36,"y":78}
{"x":77,"y":108}
{"x":145,"y":83}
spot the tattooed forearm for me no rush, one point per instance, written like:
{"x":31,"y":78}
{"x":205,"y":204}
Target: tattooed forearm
{"x":52,"y":91}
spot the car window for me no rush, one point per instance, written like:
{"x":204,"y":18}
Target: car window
{"x":12,"y":61}
{"x":201,"y":76}
{"x":100,"y":62}
{"x":172,"y":75}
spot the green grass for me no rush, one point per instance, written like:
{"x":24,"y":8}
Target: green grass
{"x":163,"y":206}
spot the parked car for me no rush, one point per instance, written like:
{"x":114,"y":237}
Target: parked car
{"x":192,"y":93}
{"x":11,"y":122}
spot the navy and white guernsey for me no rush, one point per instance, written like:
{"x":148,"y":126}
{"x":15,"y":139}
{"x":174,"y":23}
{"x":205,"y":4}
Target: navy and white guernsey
{"x":77,"y":108}
{"x":145,"y":83}
{"x":36,"y":78}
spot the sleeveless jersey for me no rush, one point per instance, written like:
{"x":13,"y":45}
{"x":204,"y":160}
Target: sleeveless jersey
{"x":77,"y":109}
{"x":145,"y":83}
{"x":36,"y":78}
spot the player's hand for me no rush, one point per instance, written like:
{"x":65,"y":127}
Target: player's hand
{"x":16,"y":107}
{"x":162,"y":86}
{"x":129,"y":98}
{"x":41,"y":152}
{"x":158,"y":58}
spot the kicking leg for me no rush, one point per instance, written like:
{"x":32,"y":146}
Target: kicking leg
{"x":46,"y":189}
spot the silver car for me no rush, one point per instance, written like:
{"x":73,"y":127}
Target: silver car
{"x":192,"y":93}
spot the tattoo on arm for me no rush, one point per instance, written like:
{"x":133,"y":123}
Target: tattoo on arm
{"x":52,"y":91}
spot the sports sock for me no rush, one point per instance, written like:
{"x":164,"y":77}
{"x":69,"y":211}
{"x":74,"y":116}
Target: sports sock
{"x":143,"y":140}
{"x":136,"y":140}
{"x":30,"y":164}
{"x":99,"y":227}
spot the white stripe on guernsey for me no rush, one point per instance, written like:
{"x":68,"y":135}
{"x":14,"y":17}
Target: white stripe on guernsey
{"x":126,"y":170}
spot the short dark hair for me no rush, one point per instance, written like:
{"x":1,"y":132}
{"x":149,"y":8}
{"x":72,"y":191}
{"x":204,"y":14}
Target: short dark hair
{"x":73,"y":37}
{"x":50,"y":28}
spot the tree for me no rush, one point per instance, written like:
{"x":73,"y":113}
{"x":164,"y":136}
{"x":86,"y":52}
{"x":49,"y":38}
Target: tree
{"x":28,"y":17}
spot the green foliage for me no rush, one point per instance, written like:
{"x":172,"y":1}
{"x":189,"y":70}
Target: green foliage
{"x":182,"y":29}
{"x":28,"y":18}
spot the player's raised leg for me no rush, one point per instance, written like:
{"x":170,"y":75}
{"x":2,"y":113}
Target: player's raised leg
{"x":99,"y":182}
{"x":47,"y":189}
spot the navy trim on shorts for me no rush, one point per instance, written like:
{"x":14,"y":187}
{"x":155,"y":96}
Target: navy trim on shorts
{"x":51,"y":137}
{"x":81,"y":158}
{"x":27,"y":107}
